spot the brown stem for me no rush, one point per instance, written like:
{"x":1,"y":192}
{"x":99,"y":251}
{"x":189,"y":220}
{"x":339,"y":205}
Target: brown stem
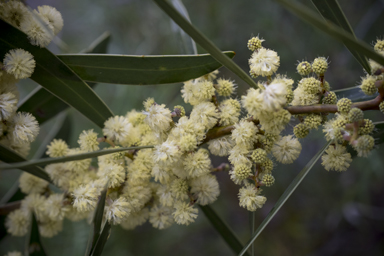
{"x":9,"y":207}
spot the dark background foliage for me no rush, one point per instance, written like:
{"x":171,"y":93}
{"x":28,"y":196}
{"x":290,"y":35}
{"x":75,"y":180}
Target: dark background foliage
{"x":331,"y":213}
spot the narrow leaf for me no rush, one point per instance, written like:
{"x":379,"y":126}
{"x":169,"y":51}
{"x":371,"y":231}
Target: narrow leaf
{"x":99,"y":246}
{"x":331,"y":10}
{"x":287,"y":193}
{"x":22,"y":163}
{"x":329,"y":28}
{"x":222,"y":228}
{"x":34,"y":246}
{"x":9,"y":156}
{"x":51,"y":73}
{"x":97,"y":222}
{"x":44,"y":105}
{"x":378,"y":133}
{"x":140,"y":70}
{"x":187,"y":44}
{"x":204,"y":42}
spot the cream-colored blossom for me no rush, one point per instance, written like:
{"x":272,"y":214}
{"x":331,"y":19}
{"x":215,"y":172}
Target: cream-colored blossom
{"x":88,"y":141}
{"x":18,"y":222}
{"x":205,"y":188}
{"x":159,"y":118}
{"x":161,"y":216}
{"x":57,"y":148}
{"x":221,"y":146}
{"x":250,"y":198}
{"x":264,"y":62}
{"x":184,"y":213}
{"x":117,"y":210}
{"x":336,"y":158}
{"x":117,"y":128}
{"x":29,"y":183}
{"x":19,"y":63}
{"x":24,"y":127}
{"x":287,"y":149}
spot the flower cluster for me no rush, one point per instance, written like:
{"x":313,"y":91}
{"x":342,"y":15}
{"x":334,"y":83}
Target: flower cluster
{"x":163,"y":184}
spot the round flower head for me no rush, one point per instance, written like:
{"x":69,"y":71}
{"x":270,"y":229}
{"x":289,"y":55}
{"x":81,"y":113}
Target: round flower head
{"x":225,"y":87}
{"x":55,"y":209}
{"x":179,"y":111}
{"x":117,"y":210}
{"x":300,"y":131}
{"x":367,"y":127}
{"x":379,"y":45}
{"x":117,"y":128}
{"x":197,"y":163}
{"x":259,"y":156}
{"x":158,"y":118}
{"x":57,"y":148}
{"x":344,"y":105}
{"x":249,"y":197}
{"x":304,"y":68}
{"x":197,"y":91}
{"x":188,"y":142}
{"x":264,"y":62}
{"x":19,"y":63}
{"x":311,"y":85}
{"x":355,"y":115}
{"x":51,"y":17}
{"x":205,"y":114}
{"x":221,"y":146}
{"x":8,"y":105}
{"x":368,"y":85}
{"x":240,"y":173}
{"x":287,"y":149}
{"x":363,"y":145}
{"x":85,"y":198}
{"x":268,"y":180}
{"x":25,"y":127}
{"x":31,"y":184}
{"x":37,"y":33}
{"x":167,"y":152}
{"x":275,"y":122}
{"x":330,"y":98}
{"x":206,"y":188}
{"x":161,"y":216}
{"x":88,"y":141}
{"x":254,"y":43}
{"x":229,"y":113}
{"x":320,"y":65}
{"x":18,"y":222}
{"x":336,"y":158}
{"x":113,"y":173}
{"x":313,"y":121}
{"x":179,"y":189}
{"x":14,"y":12}
{"x":244,"y":134}
{"x":184,"y":213}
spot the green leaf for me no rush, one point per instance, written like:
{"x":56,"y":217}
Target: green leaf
{"x":355,"y":94}
{"x":44,"y":105}
{"x":23,"y":164}
{"x":204,"y":42}
{"x":97,"y":222}
{"x":223,"y":229}
{"x":186,"y":42}
{"x":99,"y":246}
{"x":378,"y":133}
{"x":329,"y":28}
{"x":331,"y":10}
{"x":287,"y":193}
{"x":9,"y":156}
{"x":51,"y":73}
{"x":34,"y":246}
{"x":140,"y":70}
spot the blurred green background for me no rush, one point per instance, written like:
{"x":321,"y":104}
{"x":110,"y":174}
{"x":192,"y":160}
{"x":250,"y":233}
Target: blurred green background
{"x":329,"y":214}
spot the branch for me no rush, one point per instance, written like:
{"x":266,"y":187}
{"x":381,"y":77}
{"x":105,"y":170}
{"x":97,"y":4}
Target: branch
{"x":9,"y":207}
